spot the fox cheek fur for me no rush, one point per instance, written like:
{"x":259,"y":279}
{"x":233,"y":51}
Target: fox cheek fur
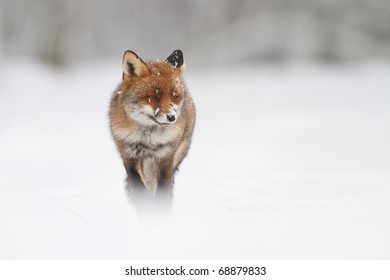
{"x":152,"y":118}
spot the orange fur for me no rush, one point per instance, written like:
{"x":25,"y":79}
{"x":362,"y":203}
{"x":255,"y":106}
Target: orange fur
{"x":152,"y":117}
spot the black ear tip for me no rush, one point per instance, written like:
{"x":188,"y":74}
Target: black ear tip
{"x":178,"y":52}
{"x":176,"y":58}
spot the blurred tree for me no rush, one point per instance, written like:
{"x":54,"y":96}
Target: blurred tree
{"x":213,"y":32}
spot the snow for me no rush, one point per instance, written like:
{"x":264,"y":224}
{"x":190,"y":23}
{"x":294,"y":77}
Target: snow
{"x":286,"y":163}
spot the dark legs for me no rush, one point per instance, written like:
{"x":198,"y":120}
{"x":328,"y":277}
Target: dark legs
{"x":145,"y":202}
{"x":136,"y":177}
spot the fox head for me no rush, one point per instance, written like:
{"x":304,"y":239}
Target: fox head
{"x":152,"y":93}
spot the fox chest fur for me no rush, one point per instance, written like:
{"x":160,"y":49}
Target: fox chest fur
{"x":152,"y":117}
{"x":135,"y":141}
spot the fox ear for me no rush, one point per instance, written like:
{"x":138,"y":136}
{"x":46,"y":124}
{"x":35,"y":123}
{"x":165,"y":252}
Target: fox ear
{"x":132,"y":65}
{"x":176,"y":59}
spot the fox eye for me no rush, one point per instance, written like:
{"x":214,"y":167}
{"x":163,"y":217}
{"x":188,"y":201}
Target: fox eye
{"x":175,"y":97}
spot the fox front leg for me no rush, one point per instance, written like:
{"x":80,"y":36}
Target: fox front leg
{"x":133,"y":181}
{"x":166,"y":179}
{"x":141,"y":174}
{"x":147,"y":170}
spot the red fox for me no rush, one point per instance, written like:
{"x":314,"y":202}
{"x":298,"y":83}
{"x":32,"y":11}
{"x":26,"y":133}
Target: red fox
{"x":152,"y":118}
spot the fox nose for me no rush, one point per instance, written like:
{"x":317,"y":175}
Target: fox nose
{"x":171,"y":118}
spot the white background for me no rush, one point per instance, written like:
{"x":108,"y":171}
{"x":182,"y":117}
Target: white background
{"x":286,"y":163}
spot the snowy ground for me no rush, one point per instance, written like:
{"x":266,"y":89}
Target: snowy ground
{"x":290,"y":163}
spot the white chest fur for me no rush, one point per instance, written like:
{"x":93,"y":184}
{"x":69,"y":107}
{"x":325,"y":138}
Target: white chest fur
{"x":148,"y":141}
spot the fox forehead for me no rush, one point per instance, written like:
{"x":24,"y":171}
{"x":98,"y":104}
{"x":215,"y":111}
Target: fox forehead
{"x":161,"y":68}
{"x":161,"y":77}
